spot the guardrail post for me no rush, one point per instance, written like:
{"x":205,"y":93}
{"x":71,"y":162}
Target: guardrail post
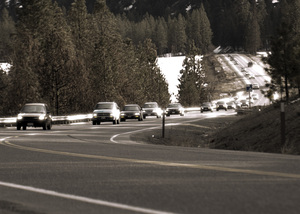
{"x":282,"y":116}
{"x":163,"y":125}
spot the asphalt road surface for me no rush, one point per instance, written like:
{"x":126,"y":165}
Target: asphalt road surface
{"x":81,"y":168}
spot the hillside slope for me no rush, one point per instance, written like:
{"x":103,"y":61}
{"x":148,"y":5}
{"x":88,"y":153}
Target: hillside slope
{"x":261,"y":131}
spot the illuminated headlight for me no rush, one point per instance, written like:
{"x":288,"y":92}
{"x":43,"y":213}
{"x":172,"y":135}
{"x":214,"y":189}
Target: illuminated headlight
{"x":122,"y":114}
{"x":136,"y":114}
{"x":20,"y":117}
{"x":42,"y":117}
{"x":94,"y":115}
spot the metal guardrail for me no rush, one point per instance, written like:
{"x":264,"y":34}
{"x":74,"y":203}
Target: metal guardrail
{"x":11,"y":121}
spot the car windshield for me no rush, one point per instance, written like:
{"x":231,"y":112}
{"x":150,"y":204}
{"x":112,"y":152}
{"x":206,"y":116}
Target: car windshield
{"x":206,"y":104}
{"x":104,"y":106}
{"x":220,"y":103}
{"x":131,"y":108}
{"x":149,"y":106}
{"x":173,"y":106}
{"x":33,"y":109}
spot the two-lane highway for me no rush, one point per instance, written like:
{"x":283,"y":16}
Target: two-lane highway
{"x":81,"y":168}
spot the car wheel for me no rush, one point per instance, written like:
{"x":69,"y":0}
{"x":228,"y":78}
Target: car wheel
{"x":144,"y":117}
{"x":18,"y":127}
{"x":45,"y":126}
{"x":24,"y":127}
{"x":98,"y":123}
{"x":94,"y":122}
{"x":118,"y":121}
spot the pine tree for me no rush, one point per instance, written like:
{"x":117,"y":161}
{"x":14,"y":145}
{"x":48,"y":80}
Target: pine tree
{"x":191,"y":82}
{"x":7,"y":33}
{"x":252,"y":32}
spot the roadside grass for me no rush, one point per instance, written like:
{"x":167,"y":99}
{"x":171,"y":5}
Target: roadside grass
{"x":258,"y":131}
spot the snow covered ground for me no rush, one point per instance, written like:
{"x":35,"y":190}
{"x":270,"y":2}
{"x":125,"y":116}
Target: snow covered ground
{"x":170,"y":67}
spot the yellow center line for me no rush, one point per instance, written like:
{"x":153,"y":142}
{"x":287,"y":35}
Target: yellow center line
{"x":159,"y":163}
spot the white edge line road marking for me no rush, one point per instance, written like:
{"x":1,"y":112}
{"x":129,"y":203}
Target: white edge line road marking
{"x":112,"y":139}
{"x":82,"y":199}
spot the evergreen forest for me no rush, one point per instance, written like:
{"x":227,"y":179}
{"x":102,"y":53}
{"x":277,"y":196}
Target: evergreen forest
{"x":72,"y":54}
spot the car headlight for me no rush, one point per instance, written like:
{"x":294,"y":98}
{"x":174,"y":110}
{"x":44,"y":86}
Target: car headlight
{"x":136,"y":114}
{"x":122,"y":114}
{"x":20,"y":117}
{"x":94,"y":115}
{"x":42,"y":117}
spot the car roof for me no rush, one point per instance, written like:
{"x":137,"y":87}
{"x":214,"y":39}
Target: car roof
{"x":40,"y":104}
{"x":105,"y":102}
{"x":151,"y":103}
{"x":131,"y":105}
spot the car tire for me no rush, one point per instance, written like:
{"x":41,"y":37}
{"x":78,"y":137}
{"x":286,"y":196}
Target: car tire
{"x":18,"y":127}
{"x":94,"y":122}
{"x":45,"y":126}
{"x":118,"y":121}
{"x":24,"y":127}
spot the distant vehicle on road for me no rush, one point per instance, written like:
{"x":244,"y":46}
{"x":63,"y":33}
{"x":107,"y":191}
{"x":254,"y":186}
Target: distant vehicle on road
{"x":152,"y":109}
{"x":175,"y":108}
{"x":35,"y":115}
{"x":132,"y":111}
{"x":255,"y":86}
{"x":221,"y":105}
{"x":243,"y":104}
{"x":106,"y":112}
{"x":254,"y":96}
{"x":231,"y":105}
{"x":206,"y":107}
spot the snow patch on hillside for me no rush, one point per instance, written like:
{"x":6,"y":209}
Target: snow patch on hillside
{"x":170,"y":68}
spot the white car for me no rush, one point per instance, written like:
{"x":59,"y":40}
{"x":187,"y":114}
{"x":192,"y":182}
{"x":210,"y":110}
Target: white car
{"x":152,"y":109}
{"x":106,"y":112}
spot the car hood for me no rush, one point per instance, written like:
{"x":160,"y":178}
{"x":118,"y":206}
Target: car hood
{"x":103,"y":111}
{"x":30,"y":114}
{"x":125,"y":112}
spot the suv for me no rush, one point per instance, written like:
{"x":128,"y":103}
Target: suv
{"x":106,"y":111}
{"x":221,"y":105}
{"x":35,"y":115}
{"x":206,"y":107}
{"x":152,"y":109}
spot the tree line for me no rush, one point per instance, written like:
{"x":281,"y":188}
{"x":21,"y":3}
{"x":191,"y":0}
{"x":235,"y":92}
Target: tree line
{"x":74,"y":59}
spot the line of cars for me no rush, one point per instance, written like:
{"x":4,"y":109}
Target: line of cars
{"x":110,"y":111}
{"x":38,"y":114}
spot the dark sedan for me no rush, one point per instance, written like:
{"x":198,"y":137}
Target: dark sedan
{"x":132,"y":111}
{"x":175,"y":108}
{"x":206,"y":107}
